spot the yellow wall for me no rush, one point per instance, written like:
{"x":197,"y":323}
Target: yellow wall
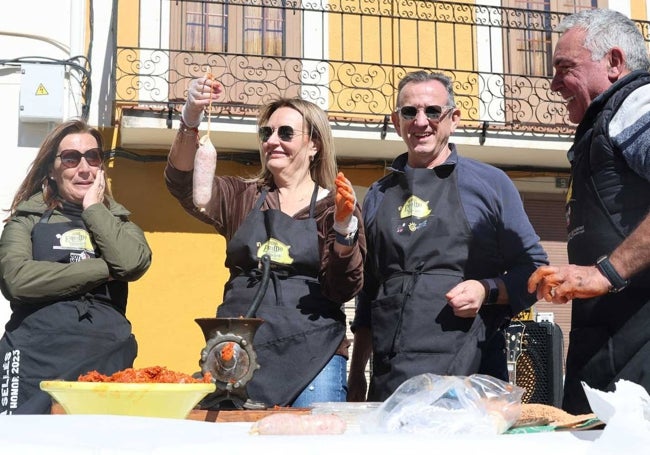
{"x":187,"y":275}
{"x":638,"y":11}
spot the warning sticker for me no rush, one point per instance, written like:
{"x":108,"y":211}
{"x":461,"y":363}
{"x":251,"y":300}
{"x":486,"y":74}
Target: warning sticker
{"x":41,"y":90}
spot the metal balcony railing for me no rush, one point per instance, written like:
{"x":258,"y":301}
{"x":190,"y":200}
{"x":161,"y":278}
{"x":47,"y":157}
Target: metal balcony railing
{"x":345,"y":55}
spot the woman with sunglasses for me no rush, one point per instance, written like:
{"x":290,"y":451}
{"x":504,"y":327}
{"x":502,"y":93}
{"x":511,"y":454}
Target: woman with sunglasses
{"x":305,"y":217}
{"x":67,"y":252}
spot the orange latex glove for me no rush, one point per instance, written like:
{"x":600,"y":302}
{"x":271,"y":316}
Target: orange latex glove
{"x":345,"y":200}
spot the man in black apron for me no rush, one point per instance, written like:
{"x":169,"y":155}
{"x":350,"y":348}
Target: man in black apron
{"x":607,"y":205}
{"x":449,"y":252}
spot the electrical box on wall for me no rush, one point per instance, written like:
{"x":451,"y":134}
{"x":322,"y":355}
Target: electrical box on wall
{"x":41,"y":92}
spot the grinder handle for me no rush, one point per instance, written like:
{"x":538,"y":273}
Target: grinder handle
{"x":264,"y":283}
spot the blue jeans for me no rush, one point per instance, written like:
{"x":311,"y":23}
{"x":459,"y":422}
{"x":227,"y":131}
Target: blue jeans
{"x":329,"y":385}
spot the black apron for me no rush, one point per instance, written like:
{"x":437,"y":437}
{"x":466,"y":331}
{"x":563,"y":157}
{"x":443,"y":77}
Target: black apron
{"x":609,"y":334}
{"x":66,"y":338}
{"x":423,"y":241}
{"x":302,"y":328}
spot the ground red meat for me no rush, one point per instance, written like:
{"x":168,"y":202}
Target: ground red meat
{"x":150,"y":374}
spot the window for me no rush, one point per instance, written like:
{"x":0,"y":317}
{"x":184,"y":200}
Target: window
{"x":236,"y":28}
{"x":253,"y":47}
{"x":531,"y":43}
{"x":264,"y":30}
{"x":528,"y":44}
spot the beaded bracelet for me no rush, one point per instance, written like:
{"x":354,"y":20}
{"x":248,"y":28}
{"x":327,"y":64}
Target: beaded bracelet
{"x":189,"y":131}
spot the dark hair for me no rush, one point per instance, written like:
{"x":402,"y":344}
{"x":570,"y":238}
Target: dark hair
{"x":425,"y":76}
{"x":37,"y":178}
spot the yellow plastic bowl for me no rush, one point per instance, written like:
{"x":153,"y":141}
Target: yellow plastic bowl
{"x":133,"y":399}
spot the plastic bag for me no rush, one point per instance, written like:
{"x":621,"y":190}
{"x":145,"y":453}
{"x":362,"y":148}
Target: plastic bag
{"x":447,"y":405}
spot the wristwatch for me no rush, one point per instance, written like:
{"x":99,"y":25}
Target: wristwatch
{"x":347,"y":240}
{"x":607,"y":269}
{"x":491,"y":291}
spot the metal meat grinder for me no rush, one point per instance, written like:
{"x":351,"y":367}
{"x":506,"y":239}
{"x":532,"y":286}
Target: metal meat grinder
{"x":229,"y":355}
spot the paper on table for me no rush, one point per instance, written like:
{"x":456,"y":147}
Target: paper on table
{"x":627,"y":414}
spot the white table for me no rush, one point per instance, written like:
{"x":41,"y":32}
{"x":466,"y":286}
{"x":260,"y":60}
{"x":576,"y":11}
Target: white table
{"x":107,"y":435}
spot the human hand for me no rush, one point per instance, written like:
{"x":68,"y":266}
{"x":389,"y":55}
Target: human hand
{"x":466,"y":298}
{"x":357,"y":387}
{"x":567,"y":282}
{"x":201,"y":92}
{"x":345,"y":202}
{"x":95,"y":193}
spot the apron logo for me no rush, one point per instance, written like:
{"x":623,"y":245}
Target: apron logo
{"x":10,"y":383}
{"x":414,"y":207}
{"x":75,"y":239}
{"x":277,"y":251}
{"x":575,"y":232}
{"x":78,"y":257}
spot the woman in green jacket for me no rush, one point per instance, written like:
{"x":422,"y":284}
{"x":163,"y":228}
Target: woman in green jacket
{"x":67,"y":252}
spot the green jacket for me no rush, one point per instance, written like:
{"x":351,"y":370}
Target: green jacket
{"x":125,"y":254}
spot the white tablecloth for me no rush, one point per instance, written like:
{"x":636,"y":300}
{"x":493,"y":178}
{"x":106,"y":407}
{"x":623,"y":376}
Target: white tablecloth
{"x":106,"y":435}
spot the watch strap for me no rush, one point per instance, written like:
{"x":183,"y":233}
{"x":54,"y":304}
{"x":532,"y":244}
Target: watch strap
{"x":607,"y":269}
{"x":348,"y":239}
{"x":491,"y":291}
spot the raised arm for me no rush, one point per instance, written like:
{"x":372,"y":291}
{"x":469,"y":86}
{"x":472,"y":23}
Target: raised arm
{"x":201,"y":92}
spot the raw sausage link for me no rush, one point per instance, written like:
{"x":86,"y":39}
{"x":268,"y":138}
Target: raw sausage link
{"x":293,"y":424}
{"x":205,"y":165}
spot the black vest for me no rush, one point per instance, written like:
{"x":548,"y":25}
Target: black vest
{"x":609,"y":334}
{"x":607,"y":200}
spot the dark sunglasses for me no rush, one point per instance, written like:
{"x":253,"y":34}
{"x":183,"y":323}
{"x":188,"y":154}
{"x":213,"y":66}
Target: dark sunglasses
{"x":72,"y":158}
{"x":285,"y":133}
{"x":432,"y":112}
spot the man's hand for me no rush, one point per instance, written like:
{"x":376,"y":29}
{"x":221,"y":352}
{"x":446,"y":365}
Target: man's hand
{"x":357,"y":387}
{"x":466,"y":298}
{"x":567,"y":282}
{"x":361,"y":352}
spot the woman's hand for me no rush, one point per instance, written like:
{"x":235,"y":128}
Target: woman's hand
{"x":95,"y":193}
{"x":200,"y":93}
{"x":345,"y":202}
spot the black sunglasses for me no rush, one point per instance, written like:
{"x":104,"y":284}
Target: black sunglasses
{"x":72,"y":158}
{"x":285,"y":133}
{"x":433,"y":112}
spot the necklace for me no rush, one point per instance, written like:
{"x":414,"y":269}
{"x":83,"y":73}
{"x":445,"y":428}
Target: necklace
{"x":295,"y":197}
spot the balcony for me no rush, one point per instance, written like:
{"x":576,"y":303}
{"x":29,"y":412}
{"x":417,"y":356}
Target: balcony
{"x":347,"y":57}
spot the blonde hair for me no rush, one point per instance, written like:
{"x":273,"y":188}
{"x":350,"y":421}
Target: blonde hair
{"x":323,"y":167}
